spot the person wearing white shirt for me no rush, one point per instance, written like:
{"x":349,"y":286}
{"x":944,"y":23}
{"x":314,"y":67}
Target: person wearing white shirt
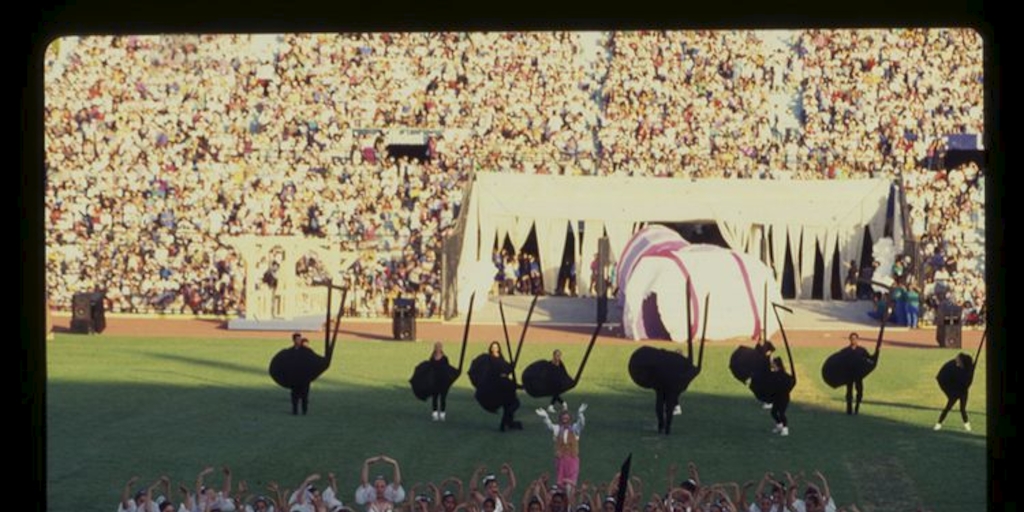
{"x":566,"y":435}
{"x":380,"y":496}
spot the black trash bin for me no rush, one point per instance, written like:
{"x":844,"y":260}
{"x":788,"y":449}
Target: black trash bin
{"x":403,"y":319}
{"x":948,"y":327}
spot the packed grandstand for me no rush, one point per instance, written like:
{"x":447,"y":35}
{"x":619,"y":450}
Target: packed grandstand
{"x":159,"y":147}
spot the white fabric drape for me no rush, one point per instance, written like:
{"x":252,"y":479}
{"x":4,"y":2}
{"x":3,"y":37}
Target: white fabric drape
{"x":488,"y":233}
{"x":468,"y":258}
{"x":550,"y":245}
{"x":736,"y":234}
{"x":827,"y":252}
{"x":504,"y":226}
{"x":592,"y":231}
{"x":619,"y":233}
{"x":778,"y":251}
{"x":811,"y":241}
{"x":520,"y":231}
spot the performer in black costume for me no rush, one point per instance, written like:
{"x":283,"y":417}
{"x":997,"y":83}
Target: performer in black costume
{"x":434,"y":377}
{"x":750,"y":364}
{"x":562,"y":374}
{"x":955,"y":379}
{"x":855,"y":353}
{"x":851,"y":365}
{"x":491,"y":375}
{"x":669,"y":373}
{"x":779,"y":384}
{"x":550,"y":378}
{"x":297,"y":367}
{"x":443,"y":376}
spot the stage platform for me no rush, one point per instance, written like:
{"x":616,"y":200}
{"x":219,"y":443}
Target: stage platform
{"x":556,"y":311}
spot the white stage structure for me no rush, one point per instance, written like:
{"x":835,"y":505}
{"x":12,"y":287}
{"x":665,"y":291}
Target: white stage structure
{"x":756,"y":217}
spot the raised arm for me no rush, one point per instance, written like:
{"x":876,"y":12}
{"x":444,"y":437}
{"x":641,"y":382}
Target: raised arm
{"x":281,"y":504}
{"x":187,"y":499}
{"x":507,"y":470}
{"x":547,"y":420}
{"x":397,"y":475}
{"x":300,"y":492}
{"x":199,"y":479}
{"x":724,"y":501}
{"x":580,"y":419}
{"x":435,"y":494}
{"x":126,"y":495}
{"x":474,"y":483}
{"x":365,"y":476}
{"x":165,"y":482}
{"x":459,"y":497}
{"x":148,"y":505}
{"x":744,"y":491}
{"x":764,"y":481}
{"x":226,"y":488}
{"x":332,"y":481}
{"x":826,"y":493}
{"x":692,"y":469}
{"x":241,"y":496}
{"x":634,"y":490}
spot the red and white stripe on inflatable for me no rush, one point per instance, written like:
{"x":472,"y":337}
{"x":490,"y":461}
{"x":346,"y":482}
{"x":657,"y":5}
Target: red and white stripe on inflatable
{"x":658,"y":261}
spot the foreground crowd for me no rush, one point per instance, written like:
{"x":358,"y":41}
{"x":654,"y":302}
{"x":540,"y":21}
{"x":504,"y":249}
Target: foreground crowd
{"x":159,"y":147}
{"x":489,"y":493}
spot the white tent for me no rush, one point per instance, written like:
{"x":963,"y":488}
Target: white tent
{"x":806,"y":216}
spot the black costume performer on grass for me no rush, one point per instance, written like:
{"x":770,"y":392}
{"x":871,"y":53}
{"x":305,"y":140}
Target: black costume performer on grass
{"x":550,"y":378}
{"x":491,"y":375}
{"x":955,"y":379}
{"x":750,"y":364}
{"x":668,"y":372}
{"x":434,"y":377}
{"x":779,"y":384}
{"x":298,"y":366}
{"x":851,"y":365}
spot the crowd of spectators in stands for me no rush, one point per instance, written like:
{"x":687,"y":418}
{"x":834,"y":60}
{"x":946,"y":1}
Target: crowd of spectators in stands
{"x":487,"y":493}
{"x":159,"y":147}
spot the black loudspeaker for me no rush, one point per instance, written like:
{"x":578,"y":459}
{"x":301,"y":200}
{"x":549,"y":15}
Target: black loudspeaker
{"x":87,"y":314}
{"x":948,"y":328}
{"x":403,"y":320}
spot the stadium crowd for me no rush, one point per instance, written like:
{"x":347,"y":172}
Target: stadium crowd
{"x":487,"y":493}
{"x":160,"y":147}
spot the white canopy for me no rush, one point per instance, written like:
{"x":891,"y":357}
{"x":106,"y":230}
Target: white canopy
{"x":827,"y":215}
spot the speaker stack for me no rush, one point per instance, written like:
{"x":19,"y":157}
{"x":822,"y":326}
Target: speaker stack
{"x":87,"y":315}
{"x":403,"y":320}
{"x":948,"y":329}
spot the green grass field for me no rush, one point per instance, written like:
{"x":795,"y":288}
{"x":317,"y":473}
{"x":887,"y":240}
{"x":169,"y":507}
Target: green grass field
{"x":117,"y":407}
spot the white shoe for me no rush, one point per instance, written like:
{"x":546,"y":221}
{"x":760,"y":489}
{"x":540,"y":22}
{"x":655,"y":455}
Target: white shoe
{"x":778,"y":428}
{"x":766,"y":406}
{"x":677,"y":411}
{"x":551,"y":409}
{"x":785,"y":432}
{"x":937,"y":427}
{"x":967,"y":426}
{"x":442,"y":415}
{"x":434,"y":416}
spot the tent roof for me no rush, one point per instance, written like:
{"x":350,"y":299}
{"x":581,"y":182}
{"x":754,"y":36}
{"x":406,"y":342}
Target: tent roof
{"x":828,"y":204}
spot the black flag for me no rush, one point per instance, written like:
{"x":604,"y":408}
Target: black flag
{"x":620,"y":496}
